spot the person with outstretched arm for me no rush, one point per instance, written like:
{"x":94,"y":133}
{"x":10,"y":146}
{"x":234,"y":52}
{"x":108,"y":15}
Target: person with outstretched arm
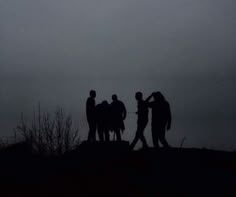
{"x":141,"y":121}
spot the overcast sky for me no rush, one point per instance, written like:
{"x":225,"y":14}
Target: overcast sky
{"x":55,"y":51}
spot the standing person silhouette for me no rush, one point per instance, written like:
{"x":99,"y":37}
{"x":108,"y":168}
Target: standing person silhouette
{"x":142,"y":120}
{"x":91,"y":116}
{"x":161,"y":119}
{"x":118,"y":115}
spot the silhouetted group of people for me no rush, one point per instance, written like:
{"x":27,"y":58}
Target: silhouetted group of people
{"x":105,"y":118}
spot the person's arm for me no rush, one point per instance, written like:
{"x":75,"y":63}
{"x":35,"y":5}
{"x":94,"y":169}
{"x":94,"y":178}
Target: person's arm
{"x":124,"y":112}
{"x":93,"y":104}
{"x":169,"y":118}
{"x":149,"y":98}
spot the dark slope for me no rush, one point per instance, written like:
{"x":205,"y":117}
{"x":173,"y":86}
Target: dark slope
{"x":114,"y":170}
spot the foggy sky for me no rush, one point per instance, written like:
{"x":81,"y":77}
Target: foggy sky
{"x":55,"y":51}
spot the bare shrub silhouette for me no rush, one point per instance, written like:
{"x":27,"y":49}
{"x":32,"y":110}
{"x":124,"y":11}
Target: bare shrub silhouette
{"x":49,"y":134}
{"x":182,"y":142}
{"x":3,"y":143}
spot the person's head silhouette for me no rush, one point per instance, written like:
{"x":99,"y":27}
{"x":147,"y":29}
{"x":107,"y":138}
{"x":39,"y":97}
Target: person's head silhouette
{"x":105,"y":103}
{"x":158,"y":96}
{"x":139,"y":96}
{"x":92,"y":93}
{"x":114,"y":97}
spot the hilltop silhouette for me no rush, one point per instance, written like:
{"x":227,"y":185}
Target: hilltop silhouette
{"x":52,"y":161}
{"x":112,"y":169}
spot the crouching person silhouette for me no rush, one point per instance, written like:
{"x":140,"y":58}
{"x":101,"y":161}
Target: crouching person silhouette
{"x":103,"y":122}
{"x":161,"y":119}
{"x":142,"y":120}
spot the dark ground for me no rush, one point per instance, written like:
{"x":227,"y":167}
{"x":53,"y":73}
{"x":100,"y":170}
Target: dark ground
{"x":114,"y":170}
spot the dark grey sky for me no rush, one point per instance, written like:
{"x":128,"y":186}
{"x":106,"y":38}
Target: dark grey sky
{"x":55,"y":51}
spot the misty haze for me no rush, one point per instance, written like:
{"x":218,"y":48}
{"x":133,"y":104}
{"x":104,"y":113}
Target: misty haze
{"x":54,"y":52}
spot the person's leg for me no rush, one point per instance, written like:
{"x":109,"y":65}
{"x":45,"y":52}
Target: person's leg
{"x":155,"y":136}
{"x":136,"y":138}
{"x":118,"y":135}
{"x":162,"y":137}
{"x":100,"y":133}
{"x":90,"y":132}
{"x":107,"y":136}
{"x":141,"y":135}
{"x":134,"y":142}
{"x":93,"y":131}
{"x":142,"y":138}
